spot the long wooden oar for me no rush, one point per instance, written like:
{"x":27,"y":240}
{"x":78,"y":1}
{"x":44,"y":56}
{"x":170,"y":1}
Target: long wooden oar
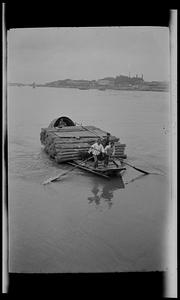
{"x":51,"y":179}
{"x":140,"y":170}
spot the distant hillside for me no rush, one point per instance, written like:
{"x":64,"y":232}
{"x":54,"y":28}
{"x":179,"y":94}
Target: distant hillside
{"x":120,"y":82}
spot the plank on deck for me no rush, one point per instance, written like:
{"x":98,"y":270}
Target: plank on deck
{"x":73,"y":128}
{"x":80,"y":134}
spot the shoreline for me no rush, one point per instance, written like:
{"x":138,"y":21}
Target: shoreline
{"x":85,"y":89}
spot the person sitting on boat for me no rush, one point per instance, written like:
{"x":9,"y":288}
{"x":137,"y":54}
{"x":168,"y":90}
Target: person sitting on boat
{"x":109,"y":151}
{"x":97,"y":151}
{"x":61,"y":124}
{"x":106,"y":140}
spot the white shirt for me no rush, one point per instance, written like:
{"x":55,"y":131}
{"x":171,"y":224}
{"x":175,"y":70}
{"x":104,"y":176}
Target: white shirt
{"x":96,"y":149}
{"x":109,"y":150}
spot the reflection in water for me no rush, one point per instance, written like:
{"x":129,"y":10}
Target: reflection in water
{"x":103,"y":191}
{"x":96,"y":198}
{"x":136,"y":178}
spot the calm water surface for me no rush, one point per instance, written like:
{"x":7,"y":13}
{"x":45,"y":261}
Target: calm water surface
{"x":84,"y":223}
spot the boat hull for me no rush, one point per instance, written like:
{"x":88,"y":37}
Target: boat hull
{"x":107,"y":172}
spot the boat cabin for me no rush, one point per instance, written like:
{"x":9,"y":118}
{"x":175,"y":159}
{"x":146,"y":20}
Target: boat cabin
{"x":61,"y":122}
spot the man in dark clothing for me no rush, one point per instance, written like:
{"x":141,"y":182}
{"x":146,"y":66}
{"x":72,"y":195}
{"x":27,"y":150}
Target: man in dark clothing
{"x":106,"y":140}
{"x":109,"y":151}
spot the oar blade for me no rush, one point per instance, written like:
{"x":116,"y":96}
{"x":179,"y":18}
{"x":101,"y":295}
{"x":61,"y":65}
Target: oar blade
{"x":140,"y":170}
{"x":53,"y":178}
{"x":49,"y":180}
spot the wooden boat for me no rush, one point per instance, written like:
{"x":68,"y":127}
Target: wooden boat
{"x":109,"y":171}
{"x":70,"y":142}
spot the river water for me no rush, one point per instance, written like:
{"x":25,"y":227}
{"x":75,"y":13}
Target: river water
{"x":84,"y":223}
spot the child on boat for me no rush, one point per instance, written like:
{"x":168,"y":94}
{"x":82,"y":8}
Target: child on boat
{"x":97,"y":151}
{"x":108,"y":152}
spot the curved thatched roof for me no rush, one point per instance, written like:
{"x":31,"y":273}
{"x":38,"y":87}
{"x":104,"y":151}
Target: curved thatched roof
{"x":56,"y":121}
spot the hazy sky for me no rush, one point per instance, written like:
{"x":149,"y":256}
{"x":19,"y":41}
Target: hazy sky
{"x":50,"y":54}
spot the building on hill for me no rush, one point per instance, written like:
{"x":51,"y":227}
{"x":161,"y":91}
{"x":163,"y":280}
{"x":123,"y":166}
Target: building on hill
{"x":128,"y":81}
